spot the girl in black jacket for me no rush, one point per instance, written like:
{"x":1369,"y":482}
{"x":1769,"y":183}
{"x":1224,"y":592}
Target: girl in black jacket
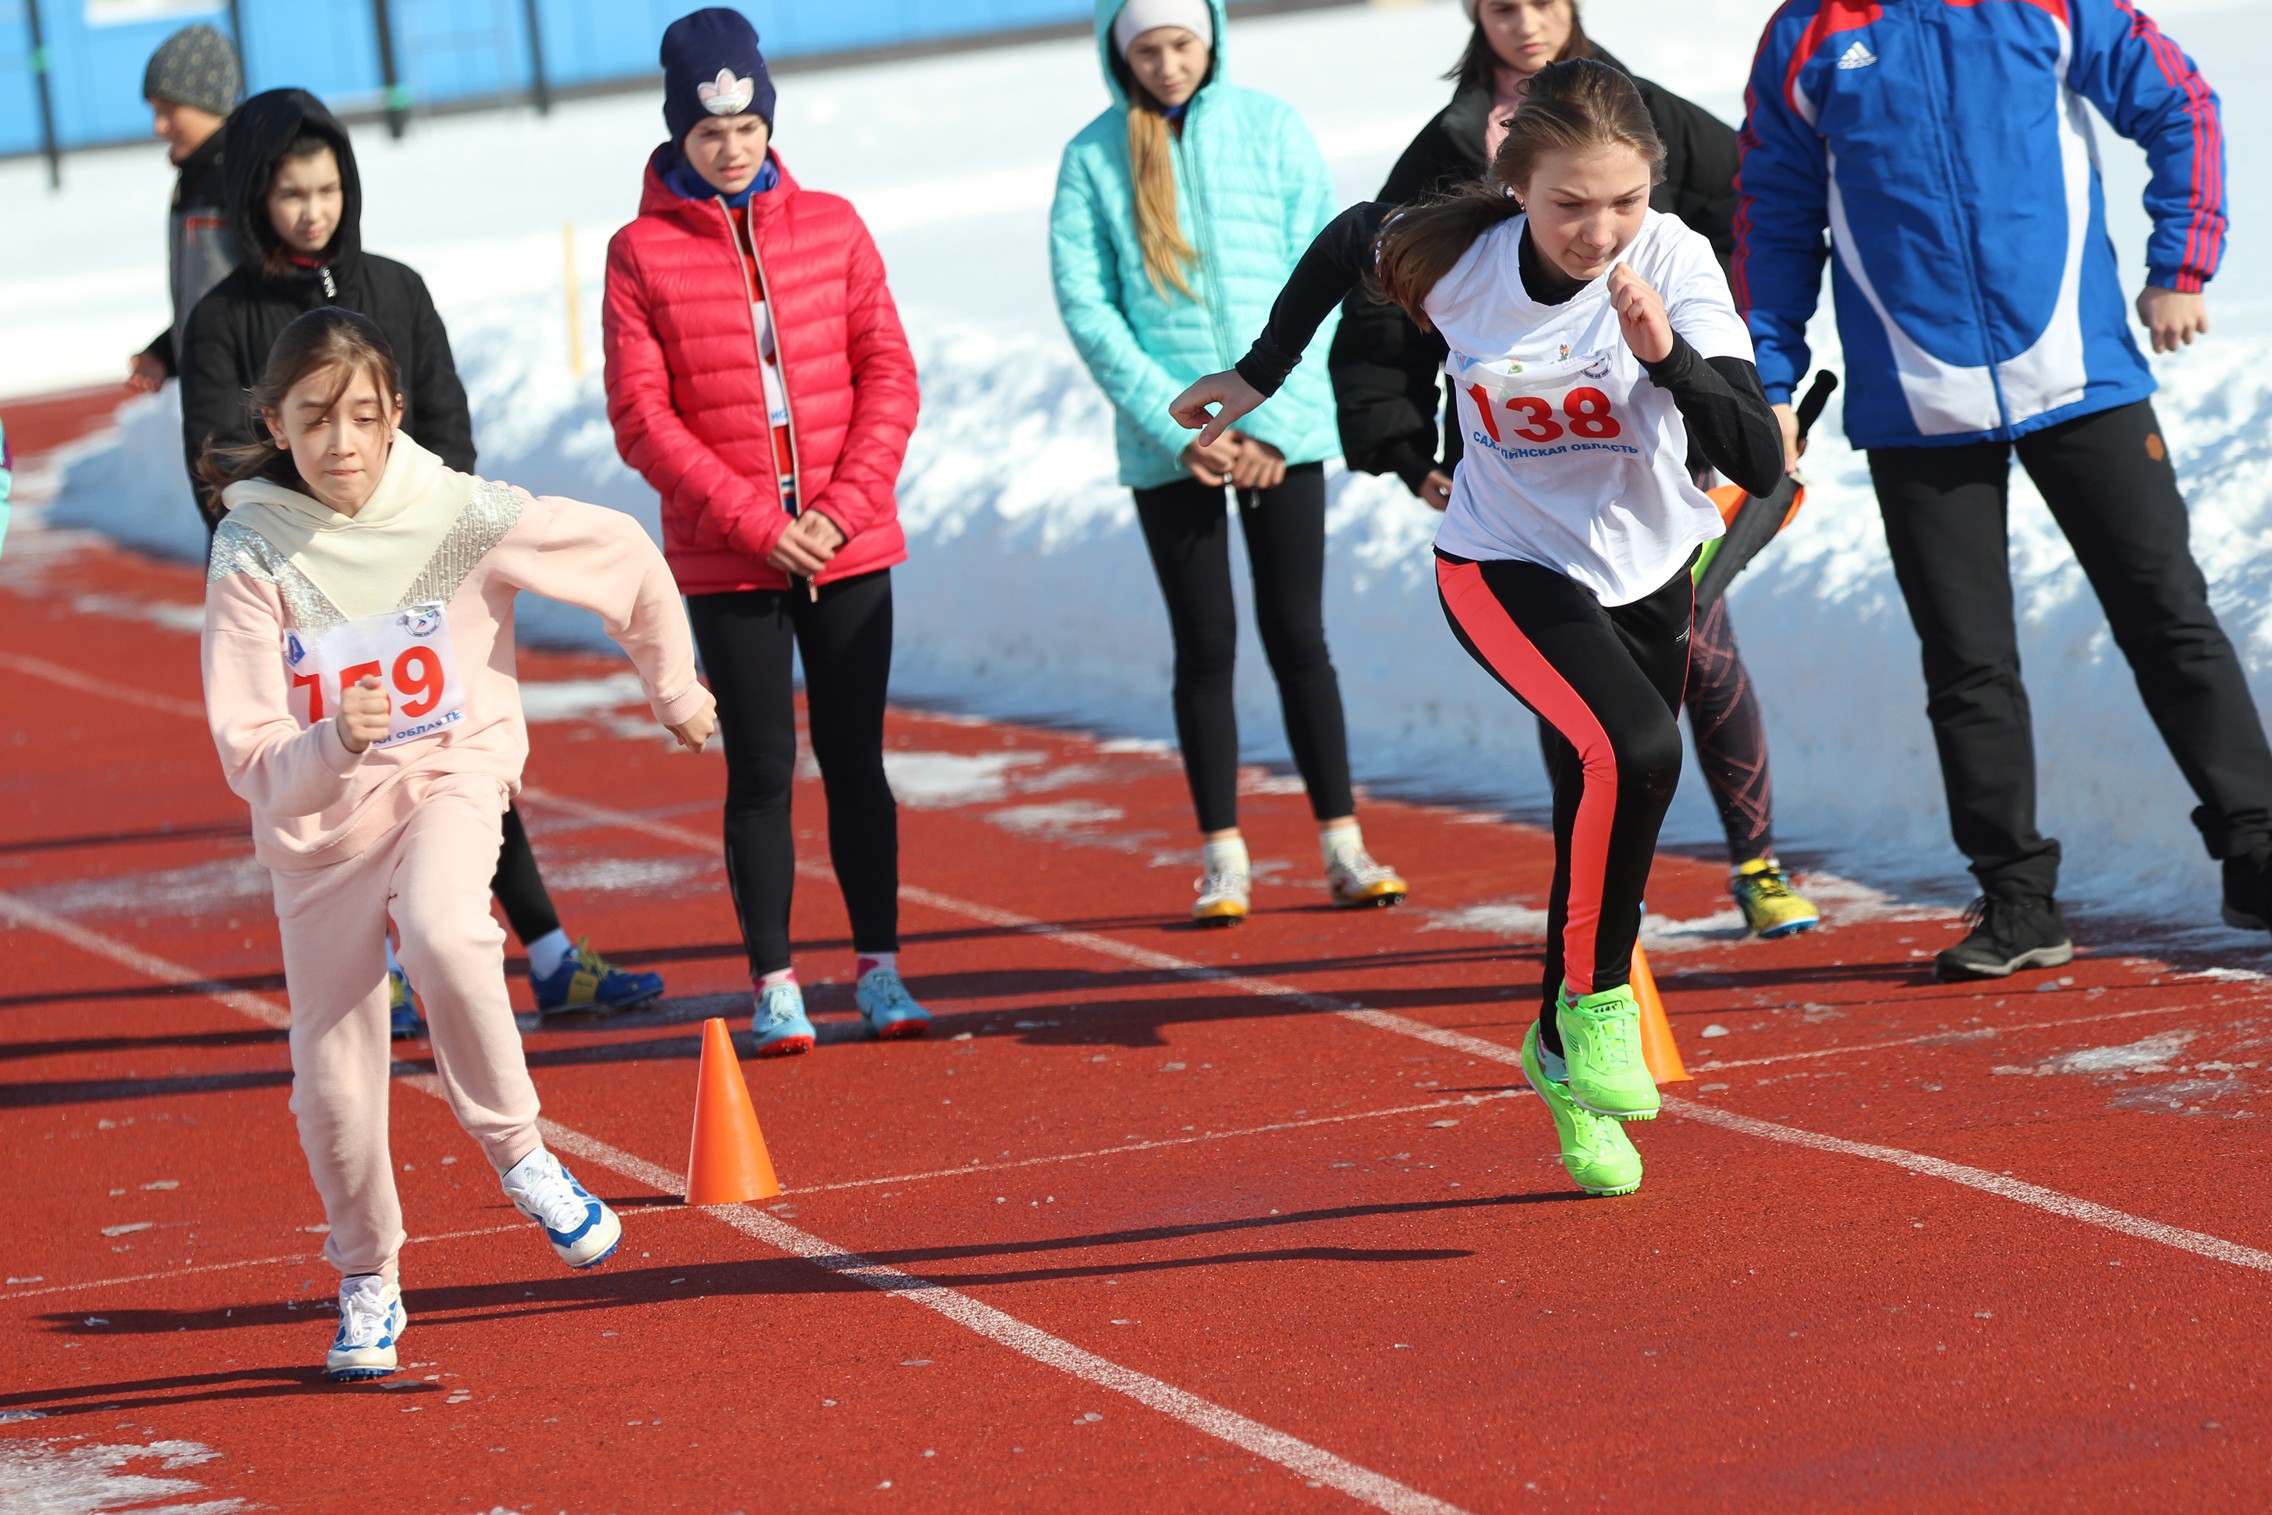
{"x":295,"y":207}
{"x":1387,"y":395}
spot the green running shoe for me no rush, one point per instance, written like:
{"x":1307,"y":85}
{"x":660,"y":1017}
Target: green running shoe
{"x":1601,"y":1040}
{"x":1594,"y":1148}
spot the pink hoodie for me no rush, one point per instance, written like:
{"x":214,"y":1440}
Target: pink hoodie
{"x":314,"y":803}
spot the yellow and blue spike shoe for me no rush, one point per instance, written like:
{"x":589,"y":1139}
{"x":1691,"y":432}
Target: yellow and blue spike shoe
{"x":1595,"y":1149}
{"x":1357,"y":882}
{"x":1601,"y":1041}
{"x":586,"y":981}
{"x":1223,"y":897}
{"x":1771,"y":907}
{"x":402,"y":1009}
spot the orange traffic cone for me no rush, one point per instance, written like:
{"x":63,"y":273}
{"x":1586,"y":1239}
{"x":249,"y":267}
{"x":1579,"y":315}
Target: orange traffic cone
{"x":727,"y":1164}
{"x":1657,"y":1048}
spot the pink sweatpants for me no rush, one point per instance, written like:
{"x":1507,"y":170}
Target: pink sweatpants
{"x":431,"y":874}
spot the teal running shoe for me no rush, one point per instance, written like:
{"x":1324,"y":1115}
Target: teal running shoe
{"x":886,"y":1008}
{"x":1595,"y":1149}
{"x":779,"y":1023}
{"x":1601,"y":1041}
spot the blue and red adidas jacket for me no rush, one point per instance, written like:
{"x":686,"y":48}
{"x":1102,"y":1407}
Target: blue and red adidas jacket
{"x":1944,"y":147}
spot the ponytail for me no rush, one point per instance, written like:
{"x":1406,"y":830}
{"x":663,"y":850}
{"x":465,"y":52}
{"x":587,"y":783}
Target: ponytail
{"x":1575,"y":106}
{"x":1151,"y":169}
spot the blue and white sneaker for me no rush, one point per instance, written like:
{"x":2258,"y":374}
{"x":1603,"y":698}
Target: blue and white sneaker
{"x":402,"y":1011}
{"x":779,"y":1023}
{"x":371,"y":1321}
{"x":584,"y":980}
{"x":886,"y":1008}
{"x":582,"y":1229}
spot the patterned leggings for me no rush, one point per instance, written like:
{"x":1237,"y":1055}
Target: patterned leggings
{"x":1731,"y":739}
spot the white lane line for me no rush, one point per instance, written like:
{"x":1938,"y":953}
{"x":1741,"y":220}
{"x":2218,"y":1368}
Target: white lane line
{"x":1946,"y":1038}
{"x":2052,"y":1200}
{"x":2034,"y":1195}
{"x":258,"y":1007}
{"x":1462,"y":1102}
{"x":297,"y":1259}
{"x":1288,"y":1451}
{"x":87,"y":683}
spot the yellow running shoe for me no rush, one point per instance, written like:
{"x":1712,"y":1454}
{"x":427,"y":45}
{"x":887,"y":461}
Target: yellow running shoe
{"x":1222,"y":897}
{"x":1771,"y":907}
{"x":1356,"y":881}
{"x":1596,"y":1150}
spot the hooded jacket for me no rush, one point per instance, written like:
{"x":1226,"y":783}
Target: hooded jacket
{"x":1386,"y":370}
{"x":686,"y":385}
{"x":1251,"y":191}
{"x":226,"y":342}
{"x":200,"y":251}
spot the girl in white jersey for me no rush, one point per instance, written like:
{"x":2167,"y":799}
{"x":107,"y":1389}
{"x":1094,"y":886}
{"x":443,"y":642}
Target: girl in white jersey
{"x":1589,"y":337}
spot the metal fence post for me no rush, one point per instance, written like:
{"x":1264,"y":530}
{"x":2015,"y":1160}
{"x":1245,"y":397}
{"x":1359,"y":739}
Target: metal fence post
{"x":41,"y":65}
{"x":540,"y":84}
{"x":397,"y":93}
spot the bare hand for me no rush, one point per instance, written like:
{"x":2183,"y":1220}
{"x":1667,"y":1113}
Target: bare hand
{"x":1794,"y":445}
{"x":1641,"y":312}
{"x":2173,"y":319}
{"x":1210,"y":462}
{"x":362,"y":714}
{"x":145,"y":374}
{"x":1257,"y":464}
{"x":805,"y":547}
{"x":694,"y":733}
{"x":1436,"y":489}
{"x":1231,"y":396}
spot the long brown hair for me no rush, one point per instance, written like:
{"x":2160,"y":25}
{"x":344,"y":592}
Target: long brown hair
{"x":329,"y":337}
{"x":1151,"y":168}
{"x":1478,"y":64}
{"x":1578,"y":106}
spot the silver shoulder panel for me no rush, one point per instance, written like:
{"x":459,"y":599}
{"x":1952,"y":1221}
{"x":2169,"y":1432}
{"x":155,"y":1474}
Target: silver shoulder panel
{"x":494,"y":510}
{"x":240,"y":549}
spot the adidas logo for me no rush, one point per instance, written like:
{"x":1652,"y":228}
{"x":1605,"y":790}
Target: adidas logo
{"x":1857,"y":56}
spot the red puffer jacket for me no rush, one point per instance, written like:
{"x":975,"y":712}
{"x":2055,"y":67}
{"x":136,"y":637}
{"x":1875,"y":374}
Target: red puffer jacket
{"x":687,"y":396}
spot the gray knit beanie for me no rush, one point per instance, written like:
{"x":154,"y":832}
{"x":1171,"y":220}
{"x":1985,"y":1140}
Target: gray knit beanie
{"x":196,"y":67}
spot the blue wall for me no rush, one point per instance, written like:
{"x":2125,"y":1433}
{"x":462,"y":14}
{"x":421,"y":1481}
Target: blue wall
{"x":444,"y":49}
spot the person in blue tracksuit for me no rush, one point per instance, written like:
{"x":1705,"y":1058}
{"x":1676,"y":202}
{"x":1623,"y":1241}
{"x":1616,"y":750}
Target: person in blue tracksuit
{"x":1945,"y":149}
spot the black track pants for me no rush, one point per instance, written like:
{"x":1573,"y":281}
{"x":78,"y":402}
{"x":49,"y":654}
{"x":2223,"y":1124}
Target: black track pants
{"x":1609,"y":682}
{"x":519,"y":887}
{"x":1187,"y":529}
{"x":2109,"y":483}
{"x":845,"y":640}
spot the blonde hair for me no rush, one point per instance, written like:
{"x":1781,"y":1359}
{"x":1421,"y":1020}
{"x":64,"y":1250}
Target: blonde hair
{"x":1576,"y":106}
{"x":1151,"y":170}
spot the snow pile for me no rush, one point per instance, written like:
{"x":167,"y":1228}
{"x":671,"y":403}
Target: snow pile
{"x":1029,"y":593}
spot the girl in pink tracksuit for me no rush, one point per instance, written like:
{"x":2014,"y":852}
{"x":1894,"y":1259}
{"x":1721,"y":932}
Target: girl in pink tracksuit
{"x":358,"y":656}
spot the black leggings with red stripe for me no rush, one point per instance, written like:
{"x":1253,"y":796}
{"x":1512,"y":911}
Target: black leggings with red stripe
{"x":1609,"y":681}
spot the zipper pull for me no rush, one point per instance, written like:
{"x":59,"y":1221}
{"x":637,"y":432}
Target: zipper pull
{"x":330,"y":290}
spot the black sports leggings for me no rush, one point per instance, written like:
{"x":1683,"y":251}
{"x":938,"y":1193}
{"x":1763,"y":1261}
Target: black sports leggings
{"x":1188,"y":531}
{"x":845,"y":639}
{"x":519,"y":887}
{"x":1609,"y":682}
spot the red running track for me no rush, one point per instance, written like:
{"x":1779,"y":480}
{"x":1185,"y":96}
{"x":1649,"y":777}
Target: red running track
{"x":1156,"y":1219}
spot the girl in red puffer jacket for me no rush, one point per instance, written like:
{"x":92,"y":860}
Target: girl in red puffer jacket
{"x":758,"y":378}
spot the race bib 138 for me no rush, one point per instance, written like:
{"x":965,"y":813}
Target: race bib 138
{"x":408,"y":651}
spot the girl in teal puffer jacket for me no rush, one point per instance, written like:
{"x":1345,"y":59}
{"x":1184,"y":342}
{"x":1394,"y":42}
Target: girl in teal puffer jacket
{"x":1179,"y":213}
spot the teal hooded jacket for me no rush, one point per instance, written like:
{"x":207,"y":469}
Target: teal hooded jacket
{"x":1251,"y":191}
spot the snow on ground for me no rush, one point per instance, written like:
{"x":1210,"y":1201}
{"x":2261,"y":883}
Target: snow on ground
{"x":1028,"y":593}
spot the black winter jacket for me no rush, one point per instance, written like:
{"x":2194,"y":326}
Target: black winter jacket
{"x":1385,"y":369}
{"x":199,"y":249}
{"x":225,"y":346}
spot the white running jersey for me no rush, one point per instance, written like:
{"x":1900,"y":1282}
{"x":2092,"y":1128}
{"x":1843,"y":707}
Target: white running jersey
{"x":1574,"y":459}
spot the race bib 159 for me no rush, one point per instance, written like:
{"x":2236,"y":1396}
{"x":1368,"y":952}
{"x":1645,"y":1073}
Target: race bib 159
{"x":407,"y":650}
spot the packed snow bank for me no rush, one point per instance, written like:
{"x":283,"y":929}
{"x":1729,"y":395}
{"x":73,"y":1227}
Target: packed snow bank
{"x":1028,"y":592}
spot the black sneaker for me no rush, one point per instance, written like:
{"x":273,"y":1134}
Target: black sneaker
{"x":2009,"y":932}
{"x":2248,"y":893}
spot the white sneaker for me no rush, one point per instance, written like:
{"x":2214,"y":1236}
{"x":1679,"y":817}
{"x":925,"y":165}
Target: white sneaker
{"x":371,"y":1320}
{"x":1223,"y":897}
{"x":1354,"y":879}
{"x":582,"y":1229}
